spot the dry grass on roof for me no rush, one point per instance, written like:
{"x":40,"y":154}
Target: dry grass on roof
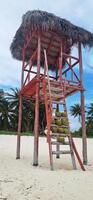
{"x":44,"y":21}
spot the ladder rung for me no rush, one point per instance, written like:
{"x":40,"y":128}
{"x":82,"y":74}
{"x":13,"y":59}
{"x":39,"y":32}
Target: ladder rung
{"x":54,"y":95}
{"x":55,"y":117}
{"x":60,"y":143}
{"x":61,"y":152}
{"x":54,"y":82}
{"x":60,"y":134}
{"x":62,"y":126}
{"x":58,"y":102}
{"x":56,"y":89}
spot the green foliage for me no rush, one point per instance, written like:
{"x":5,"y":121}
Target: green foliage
{"x":14,"y":133}
{"x":76,"y":111}
{"x":89,"y":121}
{"x":9,"y":108}
{"x":76,"y":133}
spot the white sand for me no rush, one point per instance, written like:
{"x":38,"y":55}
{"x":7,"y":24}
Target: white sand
{"x":19,"y":180}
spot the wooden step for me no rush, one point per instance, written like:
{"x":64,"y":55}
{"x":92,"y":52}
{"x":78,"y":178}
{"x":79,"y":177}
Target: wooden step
{"x":62,"y":126}
{"x":55,"y":89}
{"x":60,"y":134}
{"x":61,"y":152}
{"x":60,"y":143}
{"x":57,"y":102}
{"x":55,"y":117}
{"x":55,"y":82}
{"x":54,"y":95}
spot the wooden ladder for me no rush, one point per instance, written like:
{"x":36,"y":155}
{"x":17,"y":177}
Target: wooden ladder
{"x":54,"y":95}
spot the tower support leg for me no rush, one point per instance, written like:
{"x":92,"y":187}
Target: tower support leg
{"x":19,"y":128}
{"x":84,"y":136}
{"x":36,"y":123}
{"x":57,"y":146}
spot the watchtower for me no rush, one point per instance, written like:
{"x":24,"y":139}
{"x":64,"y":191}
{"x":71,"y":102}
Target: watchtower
{"x":44,"y":42}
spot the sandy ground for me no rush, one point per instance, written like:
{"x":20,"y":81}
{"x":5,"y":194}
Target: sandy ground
{"x":19,"y":180}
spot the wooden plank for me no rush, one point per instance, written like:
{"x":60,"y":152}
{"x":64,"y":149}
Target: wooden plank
{"x":62,"y":126}
{"x":61,"y":152}
{"x":60,"y":143}
{"x":60,"y":134}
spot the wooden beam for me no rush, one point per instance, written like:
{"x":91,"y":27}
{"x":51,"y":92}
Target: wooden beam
{"x":36,"y":123}
{"x":69,"y":68}
{"x":84,"y":137}
{"x":60,"y":61}
{"x":19,"y":128}
{"x":29,"y":39}
{"x":20,"y":110}
{"x":32,"y":57}
{"x":40,"y":73}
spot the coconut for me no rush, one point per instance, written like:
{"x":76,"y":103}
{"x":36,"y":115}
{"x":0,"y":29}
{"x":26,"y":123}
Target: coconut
{"x":64,"y":122}
{"x":61,"y":140}
{"x":60,"y":130}
{"x":63,"y":114}
{"x":58,"y":122}
{"x":65,"y":130}
{"x":54,"y":129}
{"x":58,"y":114}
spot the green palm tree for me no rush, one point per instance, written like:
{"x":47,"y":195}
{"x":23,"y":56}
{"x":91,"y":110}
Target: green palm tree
{"x":27,"y":111}
{"x":5,"y":114}
{"x":76,"y":111}
{"x":90,"y":111}
{"x":89,"y":118}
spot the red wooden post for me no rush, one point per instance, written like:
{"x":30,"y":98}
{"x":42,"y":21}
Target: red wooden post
{"x":20,"y":113}
{"x":36,"y":124}
{"x":57,"y":109}
{"x":19,"y":128}
{"x":60,"y":61}
{"x":84,"y":137}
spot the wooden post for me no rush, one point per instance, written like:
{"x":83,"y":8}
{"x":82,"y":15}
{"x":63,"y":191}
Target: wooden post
{"x":60,"y":61}
{"x":36,"y":123}
{"x":57,"y":110}
{"x":84,"y":137}
{"x":19,"y":128}
{"x":20,"y":111}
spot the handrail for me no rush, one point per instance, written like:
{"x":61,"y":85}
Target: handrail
{"x":46,"y":65}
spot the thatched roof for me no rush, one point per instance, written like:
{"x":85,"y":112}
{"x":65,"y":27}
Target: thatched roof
{"x":48,"y":23}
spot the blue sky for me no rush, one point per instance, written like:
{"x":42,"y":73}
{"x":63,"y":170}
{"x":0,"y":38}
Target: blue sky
{"x":77,"y":11}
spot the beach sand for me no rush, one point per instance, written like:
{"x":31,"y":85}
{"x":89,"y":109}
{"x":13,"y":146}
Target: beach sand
{"x":20,"y":180}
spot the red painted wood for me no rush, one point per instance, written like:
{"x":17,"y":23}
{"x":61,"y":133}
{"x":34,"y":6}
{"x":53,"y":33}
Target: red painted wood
{"x":36,"y":123}
{"x":77,"y":155}
{"x":84,"y":136}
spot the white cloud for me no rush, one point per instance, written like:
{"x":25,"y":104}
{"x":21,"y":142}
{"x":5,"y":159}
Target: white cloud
{"x":74,"y":123}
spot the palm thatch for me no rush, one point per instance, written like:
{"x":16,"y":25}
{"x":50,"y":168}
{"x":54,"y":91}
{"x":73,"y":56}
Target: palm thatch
{"x":47,"y":23}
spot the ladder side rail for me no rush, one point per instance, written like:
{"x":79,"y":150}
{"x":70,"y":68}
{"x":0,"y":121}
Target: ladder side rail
{"x":48,"y":109}
{"x":77,"y":155}
{"x":72,"y":141}
{"x":69,"y":137}
{"x":46,"y":64}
